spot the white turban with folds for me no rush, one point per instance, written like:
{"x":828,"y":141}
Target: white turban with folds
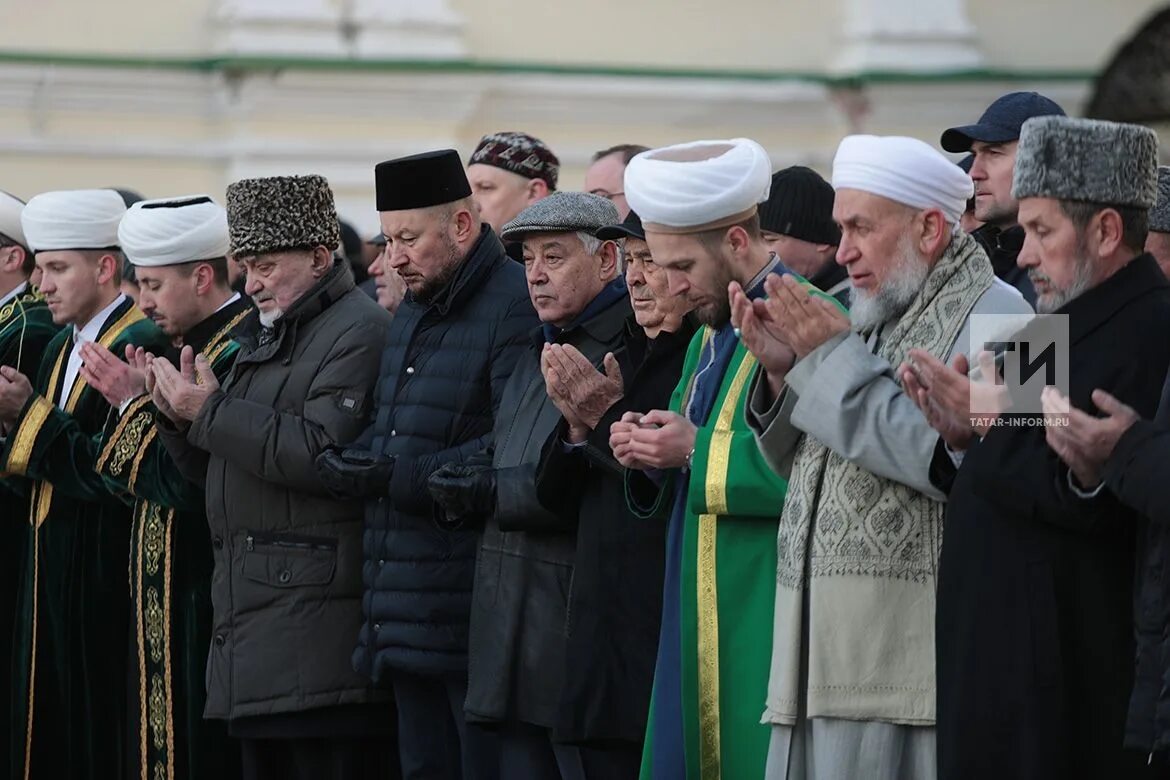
{"x":73,"y":219}
{"x":698,"y":186}
{"x":904,"y":170}
{"x":172,"y":231}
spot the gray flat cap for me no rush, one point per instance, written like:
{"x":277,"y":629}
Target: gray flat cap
{"x":561,"y":212}
{"x":1160,"y":213}
{"x":1087,"y":160}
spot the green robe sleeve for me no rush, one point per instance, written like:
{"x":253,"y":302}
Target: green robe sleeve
{"x":50,"y":445}
{"x":134,"y":460}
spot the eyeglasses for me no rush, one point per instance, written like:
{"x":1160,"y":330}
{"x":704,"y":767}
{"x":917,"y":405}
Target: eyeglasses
{"x":605,"y":194}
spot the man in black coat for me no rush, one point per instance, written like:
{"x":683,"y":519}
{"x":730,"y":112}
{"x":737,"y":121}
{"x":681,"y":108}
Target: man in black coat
{"x":520,"y":612}
{"x":615,"y":606}
{"x":1035,"y":621}
{"x":452,"y":345}
{"x":992,"y":142}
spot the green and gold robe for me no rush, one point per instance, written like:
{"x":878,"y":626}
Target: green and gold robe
{"x":70,"y":639}
{"x":170,"y":583}
{"x":26,"y":328}
{"x":715,"y":645}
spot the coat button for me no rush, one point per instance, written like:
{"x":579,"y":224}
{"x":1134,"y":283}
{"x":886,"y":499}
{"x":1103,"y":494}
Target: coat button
{"x":217,"y":542}
{"x":410,"y":369}
{"x":285,"y":577}
{"x":393,"y":433}
{"x":377,"y":627}
{"x":382,"y":562}
{"x":219,"y":640}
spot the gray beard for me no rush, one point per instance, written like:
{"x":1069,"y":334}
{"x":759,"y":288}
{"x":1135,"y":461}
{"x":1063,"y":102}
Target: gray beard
{"x":1082,"y":281}
{"x":869,"y":311}
{"x":269,"y":318}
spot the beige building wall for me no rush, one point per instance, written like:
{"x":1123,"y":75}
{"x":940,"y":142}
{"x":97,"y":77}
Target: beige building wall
{"x":188,"y":95}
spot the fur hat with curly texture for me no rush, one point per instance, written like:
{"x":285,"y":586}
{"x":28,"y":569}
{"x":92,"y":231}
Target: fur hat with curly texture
{"x":281,"y":212}
{"x":1087,"y":160}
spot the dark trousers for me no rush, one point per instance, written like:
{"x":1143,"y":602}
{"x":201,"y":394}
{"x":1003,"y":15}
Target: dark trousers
{"x":528,"y":753}
{"x":435,"y":741}
{"x":316,"y":759}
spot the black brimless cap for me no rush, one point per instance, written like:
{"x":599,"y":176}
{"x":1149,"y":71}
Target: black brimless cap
{"x":420,"y":181}
{"x":630,"y":227}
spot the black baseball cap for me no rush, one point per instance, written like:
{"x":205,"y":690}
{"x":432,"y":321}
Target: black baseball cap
{"x":630,"y":227}
{"x":1001,"y":122}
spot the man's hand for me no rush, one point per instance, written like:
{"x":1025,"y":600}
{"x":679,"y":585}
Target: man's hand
{"x":1082,"y":441}
{"x":759,"y":334}
{"x":463,"y":490}
{"x":348,"y":473}
{"x":802,"y":319}
{"x":117,"y":382}
{"x":581,"y":392}
{"x":661,"y":440}
{"x":156,"y":396}
{"x":185,"y":390}
{"x":619,"y":441}
{"x":15,"y":390}
{"x":957,"y":407}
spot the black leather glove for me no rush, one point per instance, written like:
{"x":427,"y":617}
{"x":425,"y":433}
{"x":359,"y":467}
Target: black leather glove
{"x":354,"y":473}
{"x":463,"y":490}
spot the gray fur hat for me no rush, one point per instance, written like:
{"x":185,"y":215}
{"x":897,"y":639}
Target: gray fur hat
{"x":1160,"y":213}
{"x":1087,"y":160}
{"x":562,"y":212}
{"x":281,"y":212}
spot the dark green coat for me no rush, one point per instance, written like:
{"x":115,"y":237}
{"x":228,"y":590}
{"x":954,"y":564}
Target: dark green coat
{"x":170,"y":582}
{"x":26,"y":327}
{"x":71,"y":628}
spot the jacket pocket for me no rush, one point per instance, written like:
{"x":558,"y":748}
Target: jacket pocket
{"x":289,"y":560}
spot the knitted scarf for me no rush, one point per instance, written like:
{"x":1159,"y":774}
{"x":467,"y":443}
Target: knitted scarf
{"x":866,"y":548}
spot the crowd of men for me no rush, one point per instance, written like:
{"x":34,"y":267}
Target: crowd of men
{"x":677,"y":477}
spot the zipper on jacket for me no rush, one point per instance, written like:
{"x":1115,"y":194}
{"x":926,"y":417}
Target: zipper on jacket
{"x":294,"y":543}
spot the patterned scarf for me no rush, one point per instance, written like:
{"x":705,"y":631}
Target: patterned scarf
{"x":863,"y":526}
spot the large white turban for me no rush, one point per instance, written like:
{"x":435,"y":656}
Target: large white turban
{"x":698,"y":186}
{"x":73,"y":219}
{"x":172,"y":231}
{"x":10,"y":208}
{"x":905,"y":170}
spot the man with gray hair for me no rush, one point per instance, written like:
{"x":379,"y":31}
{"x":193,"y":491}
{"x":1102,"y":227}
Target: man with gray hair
{"x":1036,"y":616}
{"x":1158,"y":241}
{"x":852,"y":685}
{"x":525,"y":566}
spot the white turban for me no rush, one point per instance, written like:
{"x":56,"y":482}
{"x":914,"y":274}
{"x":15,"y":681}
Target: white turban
{"x":10,"y":208}
{"x":73,"y":219}
{"x":698,"y":186}
{"x":172,"y":231}
{"x":905,"y":170}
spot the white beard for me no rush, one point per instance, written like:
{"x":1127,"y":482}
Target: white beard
{"x":869,"y":310}
{"x":268,"y":318}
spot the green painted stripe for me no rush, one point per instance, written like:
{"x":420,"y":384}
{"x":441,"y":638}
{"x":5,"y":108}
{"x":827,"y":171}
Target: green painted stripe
{"x":469,"y":66}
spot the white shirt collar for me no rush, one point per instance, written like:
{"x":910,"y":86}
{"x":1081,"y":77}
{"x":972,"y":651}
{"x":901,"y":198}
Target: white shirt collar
{"x":235,"y":297}
{"x":15,"y":291}
{"x":91,"y":329}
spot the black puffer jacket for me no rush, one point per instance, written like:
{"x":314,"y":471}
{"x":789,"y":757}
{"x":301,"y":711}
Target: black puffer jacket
{"x":443,"y":374}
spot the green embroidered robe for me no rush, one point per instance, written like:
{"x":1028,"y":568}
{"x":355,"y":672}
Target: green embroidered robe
{"x":26,"y":327}
{"x":70,"y":639}
{"x":724,"y":593}
{"x":170,"y":583}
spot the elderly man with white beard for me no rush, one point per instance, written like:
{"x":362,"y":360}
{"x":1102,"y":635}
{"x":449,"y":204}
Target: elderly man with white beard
{"x":852,"y":686}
